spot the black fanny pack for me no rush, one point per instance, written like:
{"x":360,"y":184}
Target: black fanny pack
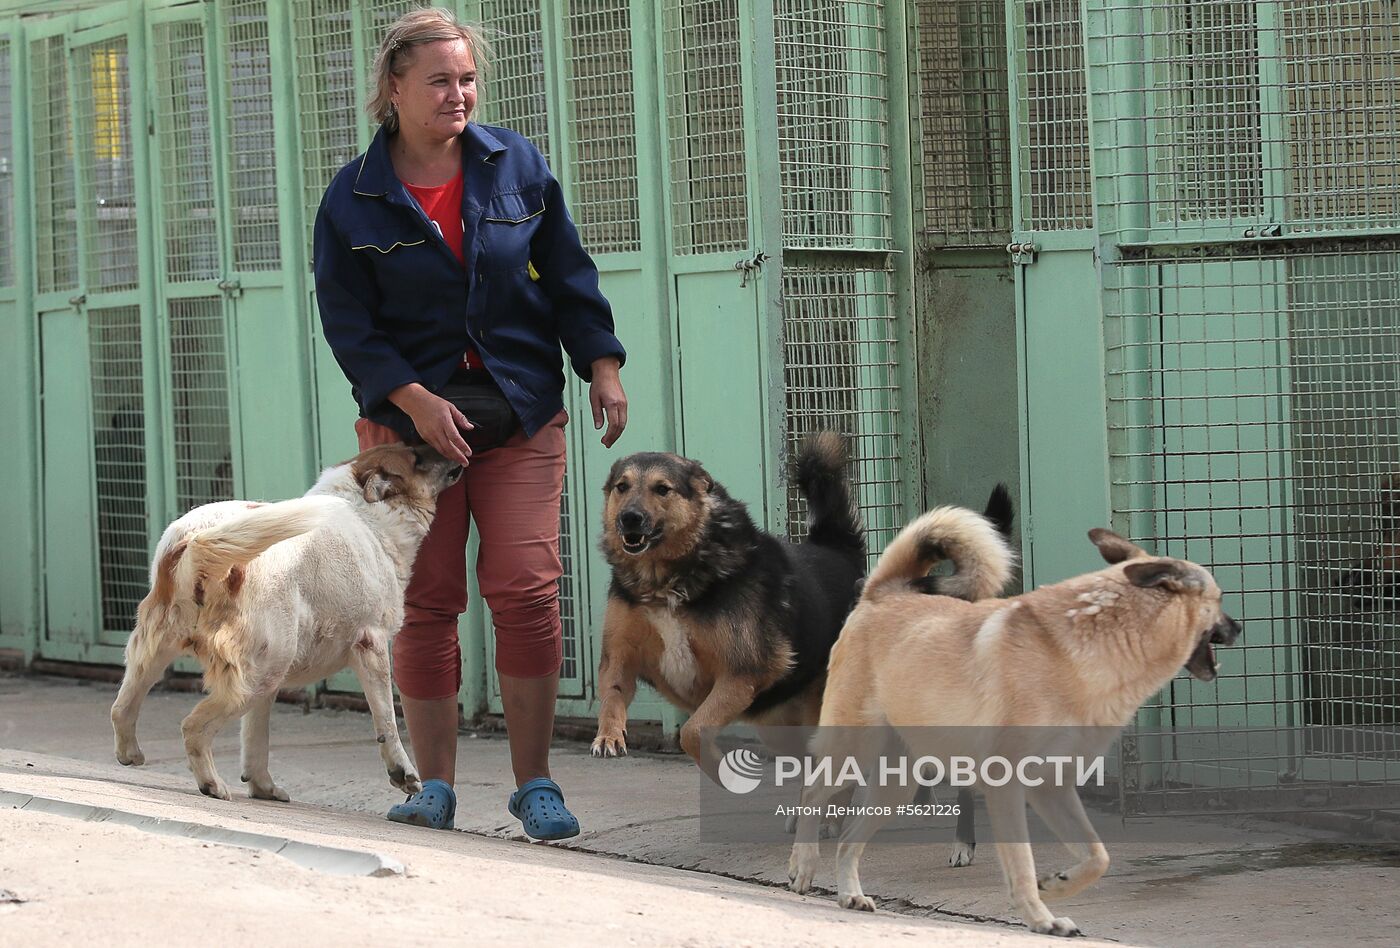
{"x":475,"y":394}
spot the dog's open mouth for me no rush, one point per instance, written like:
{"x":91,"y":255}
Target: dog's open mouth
{"x":635,"y":544}
{"x":1202,"y":664}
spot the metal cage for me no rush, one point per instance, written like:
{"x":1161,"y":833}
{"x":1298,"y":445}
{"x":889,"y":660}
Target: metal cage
{"x":1252,"y":303}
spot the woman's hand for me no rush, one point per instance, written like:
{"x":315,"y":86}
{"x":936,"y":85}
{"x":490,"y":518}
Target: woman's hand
{"x":438,"y":421}
{"x":607,"y":399}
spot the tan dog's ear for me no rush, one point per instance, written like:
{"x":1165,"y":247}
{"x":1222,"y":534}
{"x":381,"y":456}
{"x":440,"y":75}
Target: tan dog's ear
{"x":376,"y":486}
{"x":1113,"y":548}
{"x":700,"y":480}
{"x":1169,"y":574}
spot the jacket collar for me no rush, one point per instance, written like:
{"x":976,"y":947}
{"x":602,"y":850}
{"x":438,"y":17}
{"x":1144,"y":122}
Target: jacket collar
{"x":376,"y":176}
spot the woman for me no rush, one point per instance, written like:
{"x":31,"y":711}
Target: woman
{"x":447,"y":263}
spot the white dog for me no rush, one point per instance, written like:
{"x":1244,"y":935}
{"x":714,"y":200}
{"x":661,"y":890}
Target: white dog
{"x":268,"y":596}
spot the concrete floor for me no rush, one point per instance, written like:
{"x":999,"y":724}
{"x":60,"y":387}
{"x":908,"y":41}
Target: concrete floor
{"x":1173,"y":882}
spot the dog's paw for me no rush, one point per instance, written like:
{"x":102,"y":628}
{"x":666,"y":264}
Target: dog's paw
{"x":1061,"y":927}
{"x":961,"y":855}
{"x":405,"y":778}
{"x":214,"y":788}
{"x":857,"y":902}
{"x":802,"y":866}
{"x":610,"y":745}
{"x":268,"y":790}
{"x":130,"y":756}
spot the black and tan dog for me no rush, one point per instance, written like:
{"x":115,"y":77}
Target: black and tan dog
{"x":724,"y":620}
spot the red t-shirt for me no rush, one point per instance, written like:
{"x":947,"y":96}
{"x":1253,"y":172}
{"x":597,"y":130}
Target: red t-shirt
{"x":443,"y":205}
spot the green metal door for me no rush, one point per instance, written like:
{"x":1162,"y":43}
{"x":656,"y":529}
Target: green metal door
{"x":70,"y":545}
{"x":607,"y":138}
{"x":205,"y":462}
{"x":67,"y":516}
{"x":331,"y":43}
{"x":1064,"y":476}
{"x":1247,"y":259}
{"x":20,"y":564}
{"x":719,"y":282}
{"x":258,"y":237}
{"x":94,"y":323}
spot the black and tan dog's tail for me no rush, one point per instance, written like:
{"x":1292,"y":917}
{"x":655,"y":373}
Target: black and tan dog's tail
{"x":833,"y":518}
{"x":976,"y":544}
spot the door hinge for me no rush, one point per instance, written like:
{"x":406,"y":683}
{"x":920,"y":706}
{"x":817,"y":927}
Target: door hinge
{"x":1023,"y":254}
{"x":749,"y":266}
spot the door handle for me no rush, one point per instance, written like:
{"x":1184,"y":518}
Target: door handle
{"x":748,"y":266}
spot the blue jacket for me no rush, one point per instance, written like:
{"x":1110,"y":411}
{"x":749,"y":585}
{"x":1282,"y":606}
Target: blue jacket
{"x":397,"y":306}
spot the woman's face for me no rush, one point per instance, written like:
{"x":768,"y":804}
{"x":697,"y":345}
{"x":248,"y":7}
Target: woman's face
{"x":437,"y":92}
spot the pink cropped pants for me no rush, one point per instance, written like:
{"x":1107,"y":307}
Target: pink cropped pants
{"x":512,"y":494}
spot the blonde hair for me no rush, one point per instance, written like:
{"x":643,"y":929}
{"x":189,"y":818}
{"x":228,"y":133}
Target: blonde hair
{"x":413,"y":29}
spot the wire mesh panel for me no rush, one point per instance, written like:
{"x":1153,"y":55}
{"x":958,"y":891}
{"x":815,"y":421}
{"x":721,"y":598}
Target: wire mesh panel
{"x":7,"y":163}
{"x":1341,"y":73}
{"x":55,"y":195}
{"x":1199,"y":450}
{"x":705,"y":126}
{"x":963,"y":121}
{"x":102,"y":100}
{"x":1253,"y":412}
{"x":514,"y":94}
{"x":1254,"y":383}
{"x":840,"y":372}
{"x":376,"y":16}
{"x":833,"y":124}
{"x":1054,"y":117}
{"x":200,"y":402}
{"x":119,"y":451}
{"x":1191,"y":157}
{"x":1345,"y":396}
{"x":1204,"y":157}
{"x":603,"y":127}
{"x":569,"y":605}
{"x":252,"y":161}
{"x":188,"y":216}
{"x":1259,"y":119}
{"x":324,"y":36}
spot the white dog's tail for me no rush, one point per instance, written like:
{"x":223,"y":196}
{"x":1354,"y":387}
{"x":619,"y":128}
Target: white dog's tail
{"x":205,"y":567}
{"x":982,"y":560}
{"x":205,"y":558}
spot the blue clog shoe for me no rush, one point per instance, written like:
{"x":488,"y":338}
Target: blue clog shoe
{"x":434,"y":806}
{"x":539,"y":806}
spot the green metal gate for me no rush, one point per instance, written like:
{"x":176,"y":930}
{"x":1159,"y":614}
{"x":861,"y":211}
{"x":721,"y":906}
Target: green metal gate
{"x":805,"y":214}
{"x":158,"y":281}
{"x":93,"y":310}
{"x":1225,"y":174}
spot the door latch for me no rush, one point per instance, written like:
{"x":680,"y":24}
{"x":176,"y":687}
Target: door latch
{"x":232,"y":288}
{"x":1022,"y":253}
{"x":749,"y":267}
{"x":77,"y":301}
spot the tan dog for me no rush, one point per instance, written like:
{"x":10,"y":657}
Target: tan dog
{"x":270,"y":596}
{"x":1081,"y":655}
